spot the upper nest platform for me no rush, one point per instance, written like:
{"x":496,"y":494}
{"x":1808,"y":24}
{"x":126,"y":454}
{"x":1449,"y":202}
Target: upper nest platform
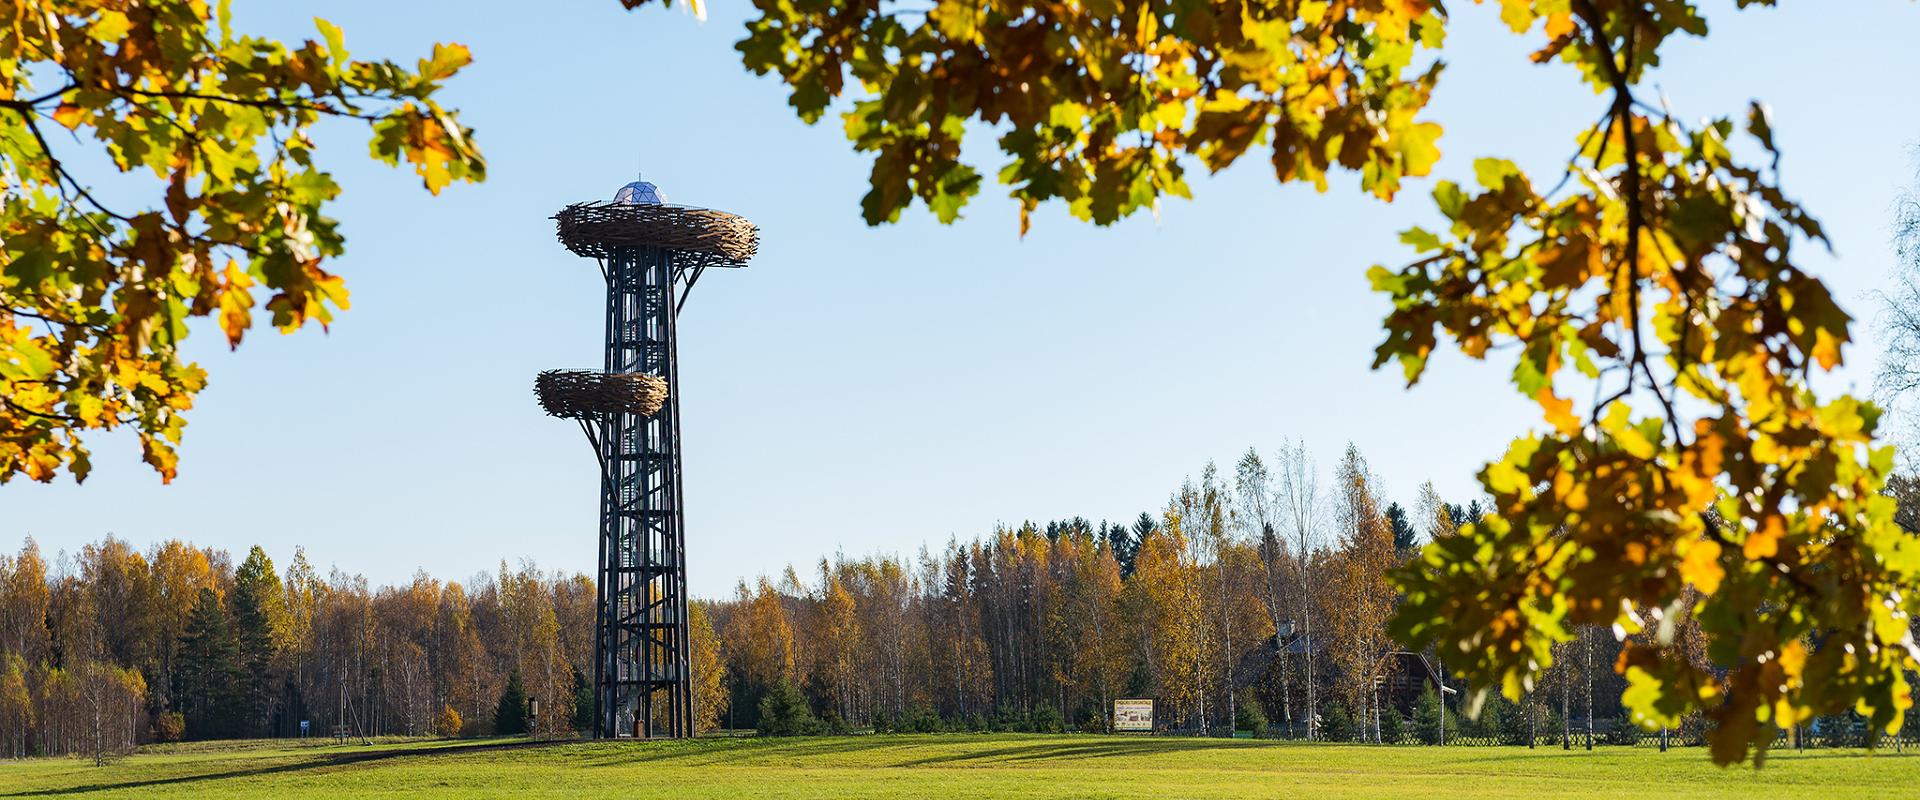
{"x":712,"y":238}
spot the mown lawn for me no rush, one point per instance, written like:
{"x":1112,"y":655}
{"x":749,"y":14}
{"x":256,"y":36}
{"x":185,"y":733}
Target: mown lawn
{"x":951,"y":766}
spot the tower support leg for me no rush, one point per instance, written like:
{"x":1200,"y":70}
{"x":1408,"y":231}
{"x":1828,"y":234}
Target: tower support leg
{"x":642,"y":686}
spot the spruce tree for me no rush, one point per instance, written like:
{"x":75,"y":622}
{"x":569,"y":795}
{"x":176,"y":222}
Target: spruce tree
{"x":1492,"y":719}
{"x":1427,"y":717}
{"x":582,"y":703}
{"x":1393,"y":726}
{"x":1515,"y":726}
{"x":1248,"y":714}
{"x":1337,"y":725}
{"x":1404,"y":534}
{"x":210,"y":672}
{"x":784,"y":712}
{"x":258,"y":619}
{"x":511,"y":717}
{"x":1126,"y":549}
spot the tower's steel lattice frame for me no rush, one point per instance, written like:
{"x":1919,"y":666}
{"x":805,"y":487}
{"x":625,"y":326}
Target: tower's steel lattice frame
{"x":651,"y":256}
{"x":641,"y":667}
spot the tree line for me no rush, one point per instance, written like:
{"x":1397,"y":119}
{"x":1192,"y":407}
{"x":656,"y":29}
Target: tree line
{"x":1258,"y":598}
{"x":111,"y":646}
{"x":1255,"y":598}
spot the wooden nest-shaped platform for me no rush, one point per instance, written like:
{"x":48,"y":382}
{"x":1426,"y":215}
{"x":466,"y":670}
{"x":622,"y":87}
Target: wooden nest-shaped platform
{"x":586,"y":394}
{"x":711,"y":238}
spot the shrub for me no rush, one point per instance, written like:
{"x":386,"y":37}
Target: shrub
{"x":582,"y":702}
{"x":1620,"y":731}
{"x":1249,"y":716}
{"x":1848,"y":729}
{"x":784,"y":712}
{"x":1336,"y":725}
{"x":835,"y":724}
{"x":1393,"y":726}
{"x":447,"y":724}
{"x":1550,"y":725}
{"x":1096,"y":722}
{"x":1426,"y":719}
{"x":510,"y":718}
{"x":1047,"y":719}
{"x":921,"y":719}
{"x":1514,"y":724}
{"x":1694,"y":728}
{"x":169,"y":726}
{"x":1488,"y":724}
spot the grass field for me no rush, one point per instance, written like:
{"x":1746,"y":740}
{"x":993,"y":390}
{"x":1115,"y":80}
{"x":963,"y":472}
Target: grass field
{"x":950,"y":766}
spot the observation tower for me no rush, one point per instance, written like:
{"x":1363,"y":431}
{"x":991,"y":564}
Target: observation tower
{"x":651,"y":255}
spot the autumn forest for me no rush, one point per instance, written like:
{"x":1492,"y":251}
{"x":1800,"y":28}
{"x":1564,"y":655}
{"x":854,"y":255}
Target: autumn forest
{"x":1256,"y":598}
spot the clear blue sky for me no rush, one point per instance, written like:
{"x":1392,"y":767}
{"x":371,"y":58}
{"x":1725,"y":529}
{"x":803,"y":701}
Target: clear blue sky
{"x":862,"y":390}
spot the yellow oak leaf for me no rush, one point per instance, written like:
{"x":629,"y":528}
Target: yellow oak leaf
{"x":1700,"y":566}
{"x":1559,"y":411}
{"x":1765,"y":542}
{"x":69,"y":116}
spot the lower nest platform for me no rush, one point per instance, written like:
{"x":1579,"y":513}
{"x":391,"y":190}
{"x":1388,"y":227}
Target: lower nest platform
{"x":586,"y":394}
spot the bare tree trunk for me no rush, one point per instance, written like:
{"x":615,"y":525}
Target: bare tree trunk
{"x":1376,"y":714}
{"x":1313,"y":709}
{"x":1226,"y":633}
{"x":1286,"y":688}
{"x":96,"y":698}
{"x":1200,"y":690}
{"x":1566,"y":712}
{"x":1589,"y":677}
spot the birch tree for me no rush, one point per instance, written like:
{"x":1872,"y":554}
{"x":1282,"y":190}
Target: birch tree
{"x":1300,"y":503}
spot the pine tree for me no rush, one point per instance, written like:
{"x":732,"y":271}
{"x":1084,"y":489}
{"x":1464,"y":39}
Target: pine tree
{"x":510,"y":719}
{"x":259,"y":621}
{"x":209,"y":671}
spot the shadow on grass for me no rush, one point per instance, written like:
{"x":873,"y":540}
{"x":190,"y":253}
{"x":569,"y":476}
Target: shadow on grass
{"x":1076,"y":750}
{"x":755,"y":748}
{"x":981,"y":750}
{"x":306,"y":763}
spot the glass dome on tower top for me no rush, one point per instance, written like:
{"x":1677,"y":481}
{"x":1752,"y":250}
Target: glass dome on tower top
{"x":640,"y":193}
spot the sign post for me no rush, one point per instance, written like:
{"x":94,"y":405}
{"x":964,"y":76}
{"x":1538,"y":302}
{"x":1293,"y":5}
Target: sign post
{"x":1133,"y":716}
